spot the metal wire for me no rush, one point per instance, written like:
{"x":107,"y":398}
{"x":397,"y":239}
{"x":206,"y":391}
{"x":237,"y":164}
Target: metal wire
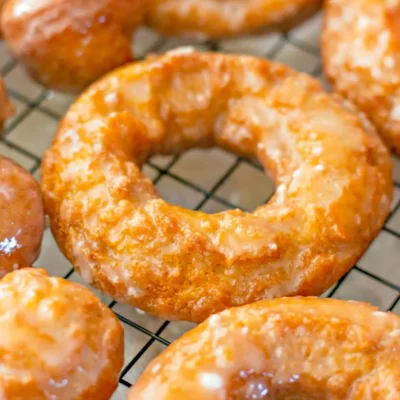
{"x":282,"y":41}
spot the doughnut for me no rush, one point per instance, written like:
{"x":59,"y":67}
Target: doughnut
{"x":361,"y":56}
{"x":21,"y":208}
{"x":224,"y":18}
{"x":21,"y":216}
{"x":67,"y":44}
{"x":6,"y":108}
{"x":333,"y":178}
{"x":58,"y":341}
{"x":289,"y":348}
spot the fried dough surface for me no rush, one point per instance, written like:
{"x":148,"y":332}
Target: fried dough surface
{"x":361,"y":56}
{"x":333,"y":178}
{"x":58,"y":341}
{"x":297,"y":348}
{"x":222,"y":18}
{"x":21,"y":207}
{"x":66,"y":45}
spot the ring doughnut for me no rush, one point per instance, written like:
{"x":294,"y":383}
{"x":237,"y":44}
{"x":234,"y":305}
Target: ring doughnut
{"x":58,"y":341}
{"x":297,"y":348}
{"x":68,"y":44}
{"x":361,"y":55}
{"x":223,"y":18}
{"x":124,"y":239}
{"x":21,"y":208}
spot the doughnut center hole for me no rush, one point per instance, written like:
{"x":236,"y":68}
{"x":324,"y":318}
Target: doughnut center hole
{"x":210,"y":180}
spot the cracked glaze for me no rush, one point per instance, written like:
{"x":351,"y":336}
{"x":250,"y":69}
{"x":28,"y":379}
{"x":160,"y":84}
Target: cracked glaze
{"x":21,"y":208}
{"x":66,"y":45}
{"x":221,"y":18}
{"x":297,"y":348}
{"x":58,"y":341}
{"x":361,"y":54}
{"x":332,"y":173}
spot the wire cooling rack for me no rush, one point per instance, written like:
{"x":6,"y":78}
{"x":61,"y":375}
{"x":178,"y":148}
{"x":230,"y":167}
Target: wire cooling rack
{"x":208,"y":180}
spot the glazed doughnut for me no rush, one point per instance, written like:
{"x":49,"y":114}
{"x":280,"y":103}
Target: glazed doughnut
{"x":297,"y":348}
{"x":58,"y":341}
{"x":222,"y":18}
{"x":21,"y":208}
{"x":361,"y":54}
{"x":6,"y":108}
{"x":332,"y":173}
{"x":21,"y":216}
{"x":67,"y":44}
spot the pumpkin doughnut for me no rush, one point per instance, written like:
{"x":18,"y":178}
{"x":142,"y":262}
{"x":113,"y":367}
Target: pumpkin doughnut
{"x":332,"y":173}
{"x":290,"y":348}
{"x":222,"y":18}
{"x":21,"y":208}
{"x":58,"y":341}
{"x":361,"y":54}
{"x":67,"y":44}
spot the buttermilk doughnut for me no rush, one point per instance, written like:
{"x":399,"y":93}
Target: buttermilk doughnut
{"x":58,"y":341}
{"x":67,"y":44}
{"x":298,"y":348}
{"x":222,"y":18}
{"x":332,"y":173}
{"x":361,"y":55}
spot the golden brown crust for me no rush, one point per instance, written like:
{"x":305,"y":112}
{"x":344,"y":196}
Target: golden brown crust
{"x":332,"y":172}
{"x":6,"y":108}
{"x":222,"y":18}
{"x":58,"y":341}
{"x":21,"y":208}
{"x":298,"y":348}
{"x":361,"y":55}
{"x":68,"y":44}
{"x":21,"y":216}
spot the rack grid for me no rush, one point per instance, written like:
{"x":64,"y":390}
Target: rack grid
{"x":224,"y":181}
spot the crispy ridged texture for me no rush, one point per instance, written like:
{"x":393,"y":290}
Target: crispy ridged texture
{"x":332,"y":172}
{"x":223,"y":18}
{"x":66,"y":45}
{"x":58,"y":341}
{"x":298,"y":348}
{"x":21,"y":217}
{"x":361,"y":56}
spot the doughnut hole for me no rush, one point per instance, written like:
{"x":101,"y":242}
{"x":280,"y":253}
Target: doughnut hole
{"x":67,"y":47}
